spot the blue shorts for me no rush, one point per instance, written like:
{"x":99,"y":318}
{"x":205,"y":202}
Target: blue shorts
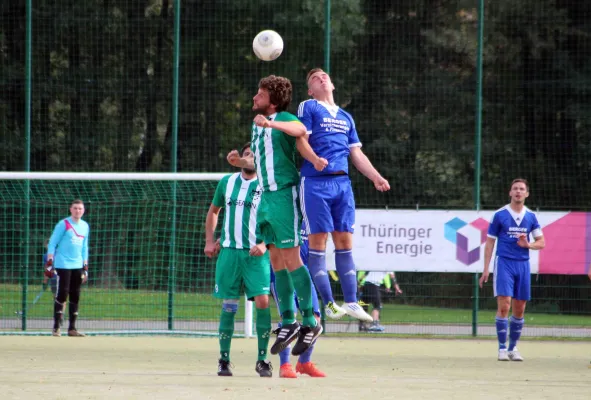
{"x":327,"y":204}
{"x":315,"y":304}
{"x":512,"y":278}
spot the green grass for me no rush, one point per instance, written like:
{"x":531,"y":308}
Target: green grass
{"x":143,"y":305}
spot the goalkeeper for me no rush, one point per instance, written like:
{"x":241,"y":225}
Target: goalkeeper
{"x":67,"y":257}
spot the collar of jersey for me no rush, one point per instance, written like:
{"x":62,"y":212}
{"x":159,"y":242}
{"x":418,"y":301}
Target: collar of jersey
{"x":332,"y":109}
{"x":247,"y":180}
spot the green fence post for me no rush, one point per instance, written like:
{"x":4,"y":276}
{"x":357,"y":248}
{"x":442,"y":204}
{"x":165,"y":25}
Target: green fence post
{"x":27,"y":166}
{"x":173,"y":160}
{"x":478,"y":148}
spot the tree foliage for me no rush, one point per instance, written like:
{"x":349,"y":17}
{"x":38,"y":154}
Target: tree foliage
{"x":103,"y":73}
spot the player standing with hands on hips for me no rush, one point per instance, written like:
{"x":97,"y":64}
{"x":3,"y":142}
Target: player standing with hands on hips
{"x":511,"y":226}
{"x":67,"y":257}
{"x":328,"y":205}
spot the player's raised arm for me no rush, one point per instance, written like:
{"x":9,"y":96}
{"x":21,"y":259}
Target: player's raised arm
{"x":291,"y":128}
{"x":235,"y":160}
{"x":363,"y":165}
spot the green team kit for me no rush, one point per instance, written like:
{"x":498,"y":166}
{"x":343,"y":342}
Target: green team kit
{"x":235,"y":266}
{"x":279,"y":216}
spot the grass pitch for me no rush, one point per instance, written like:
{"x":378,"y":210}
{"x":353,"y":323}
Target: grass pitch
{"x":357,"y":368}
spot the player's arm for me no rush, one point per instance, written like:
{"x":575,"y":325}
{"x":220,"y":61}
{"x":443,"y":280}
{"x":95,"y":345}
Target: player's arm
{"x":363,"y":165}
{"x":488,"y":252}
{"x":308,"y":153}
{"x":56,"y":236}
{"x":211,"y":222}
{"x":85,"y":256}
{"x":538,"y":244}
{"x":292,"y":128}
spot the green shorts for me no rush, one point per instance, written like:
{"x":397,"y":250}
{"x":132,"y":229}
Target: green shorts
{"x":236,"y":269}
{"x":279,"y":218}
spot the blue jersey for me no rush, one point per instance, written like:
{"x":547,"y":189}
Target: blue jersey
{"x":69,"y":244}
{"x":507,"y":225}
{"x":332,"y":134}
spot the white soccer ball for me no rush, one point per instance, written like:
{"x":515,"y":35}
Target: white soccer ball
{"x":267,"y":45}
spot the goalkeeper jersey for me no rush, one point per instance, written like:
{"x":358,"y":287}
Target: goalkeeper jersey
{"x":275,"y":154}
{"x":69,"y":244}
{"x":240,"y":198}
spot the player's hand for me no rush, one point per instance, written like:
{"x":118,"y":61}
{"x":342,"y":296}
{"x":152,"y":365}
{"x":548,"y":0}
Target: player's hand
{"x":85,"y":273}
{"x":218,"y":246}
{"x":397,"y":289}
{"x":522,"y":241}
{"x":234,"y":159}
{"x":388,"y":290}
{"x":49,"y":270}
{"x":381,"y":184}
{"x":258,"y":250}
{"x":320,"y":164}
{"x":262,"y":121}
{"x":483,"y":279}
{"x":211,"y":249}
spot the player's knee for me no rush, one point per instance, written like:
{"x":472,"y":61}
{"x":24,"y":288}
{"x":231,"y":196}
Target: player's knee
{"x":317,"y":241}
{"x":230,"y":305}
{"x":261,"y":301}
{"x":342,"y":240}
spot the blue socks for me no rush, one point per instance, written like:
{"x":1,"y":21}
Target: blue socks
{"x":516,"y":325}
{"x":284,"y":355}
{"x":502,"y":327}
{"x":317,"y":268}
{"x":347,"y":274}
{"x":304,"y":358}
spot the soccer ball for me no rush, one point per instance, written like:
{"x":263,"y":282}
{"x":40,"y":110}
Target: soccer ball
{"x":267,"y":45}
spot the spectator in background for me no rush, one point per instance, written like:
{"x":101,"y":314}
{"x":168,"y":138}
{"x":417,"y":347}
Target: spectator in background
{"x":370,"y":283}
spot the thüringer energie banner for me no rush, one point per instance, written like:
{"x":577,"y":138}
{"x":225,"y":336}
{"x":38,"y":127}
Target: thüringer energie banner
{"x":453,"y":241}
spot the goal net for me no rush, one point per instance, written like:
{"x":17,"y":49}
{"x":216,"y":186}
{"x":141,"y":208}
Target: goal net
{"x":148,"y":272}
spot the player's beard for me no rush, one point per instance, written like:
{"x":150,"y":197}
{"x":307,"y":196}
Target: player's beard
{"x":248,"y":171}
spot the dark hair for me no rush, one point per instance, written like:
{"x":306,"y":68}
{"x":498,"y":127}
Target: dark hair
{"x":77,"y":201}
{"x":520,"y":180}
{"x":243,"y":149}
{"x":279,"y":89}
{"x":312,"y":72}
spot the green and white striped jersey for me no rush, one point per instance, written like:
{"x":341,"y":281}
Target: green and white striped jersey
{"x":241,"y":199}
{"x":274,"y":154}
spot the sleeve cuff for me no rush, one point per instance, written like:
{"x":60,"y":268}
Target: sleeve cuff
{"x":358,"y":144}
{"x":491,"y":236}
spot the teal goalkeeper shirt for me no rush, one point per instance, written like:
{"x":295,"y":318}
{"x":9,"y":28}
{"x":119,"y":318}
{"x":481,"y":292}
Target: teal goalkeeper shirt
{"x":69,"y":244}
